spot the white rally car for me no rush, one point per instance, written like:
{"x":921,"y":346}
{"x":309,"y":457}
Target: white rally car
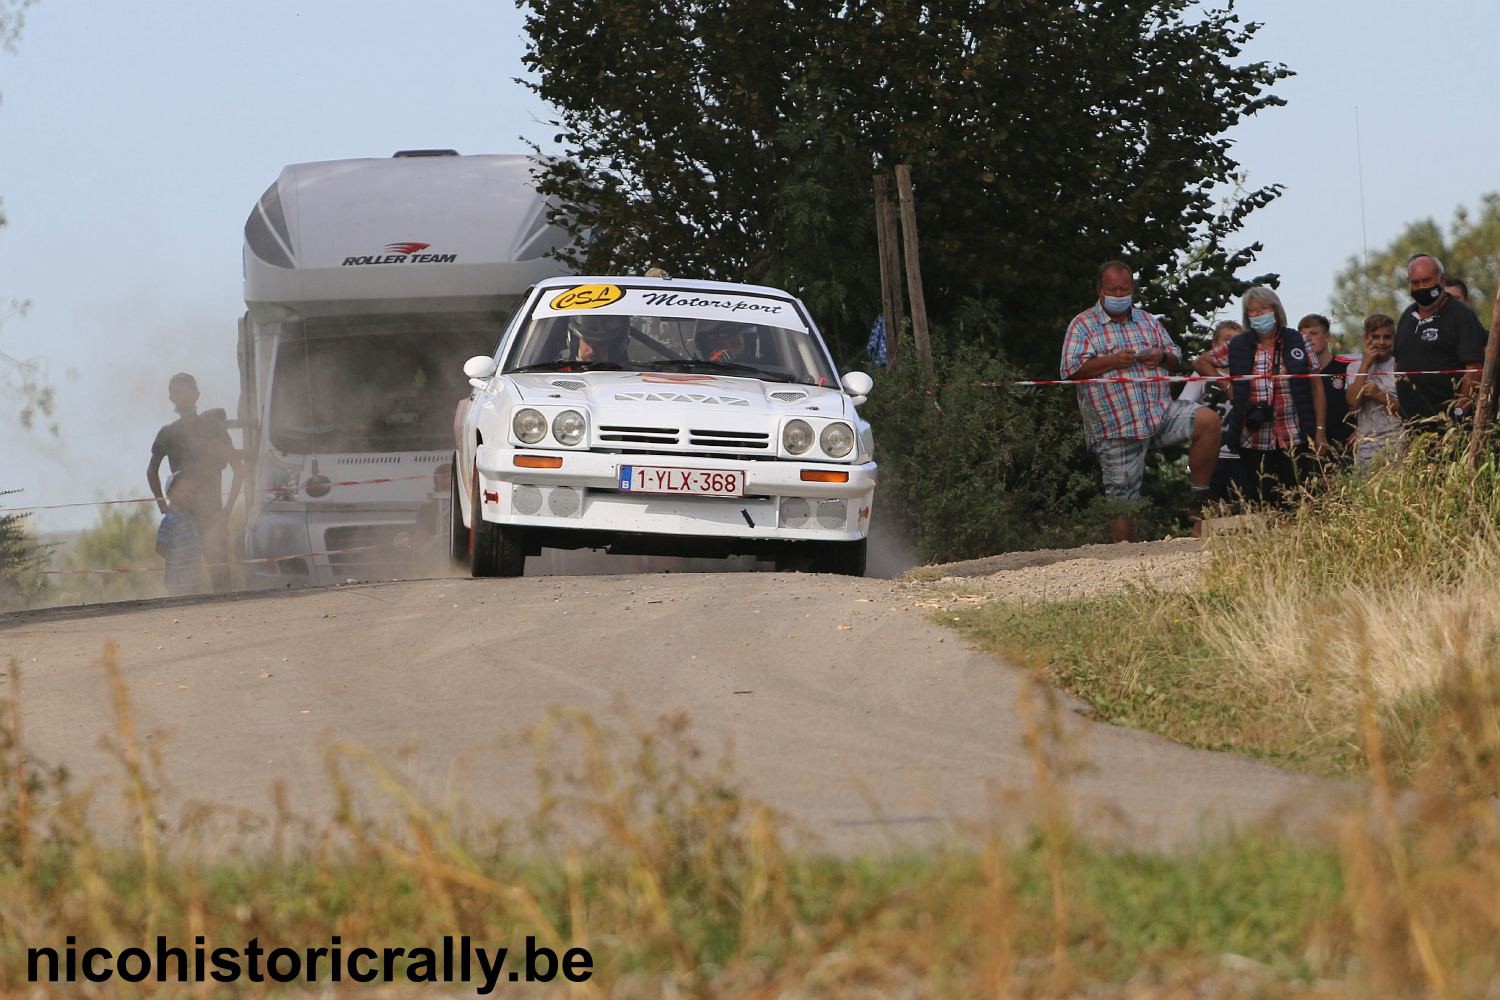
{"x":654,"y":416}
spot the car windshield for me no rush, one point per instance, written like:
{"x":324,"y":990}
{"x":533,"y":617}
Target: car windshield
{"x":645,"y":330}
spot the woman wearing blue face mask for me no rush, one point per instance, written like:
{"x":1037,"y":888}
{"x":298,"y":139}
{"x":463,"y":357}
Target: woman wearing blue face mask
{"x":1277,"y":424}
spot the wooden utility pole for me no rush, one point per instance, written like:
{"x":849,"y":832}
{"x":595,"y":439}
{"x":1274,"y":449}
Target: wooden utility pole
{"x":913,"y":268}
{"x":893,"y":306}
{"x":1486,"y":402}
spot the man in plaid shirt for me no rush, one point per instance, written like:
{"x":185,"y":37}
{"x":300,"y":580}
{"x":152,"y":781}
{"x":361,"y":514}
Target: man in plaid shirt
{"x":1122,"y":421}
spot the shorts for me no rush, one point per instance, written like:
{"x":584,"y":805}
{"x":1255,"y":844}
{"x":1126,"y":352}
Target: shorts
{"x":1124,"y":459}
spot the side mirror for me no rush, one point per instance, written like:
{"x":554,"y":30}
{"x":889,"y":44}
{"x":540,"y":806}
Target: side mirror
{"x":859,"y":386}
{"x":480,"y":369}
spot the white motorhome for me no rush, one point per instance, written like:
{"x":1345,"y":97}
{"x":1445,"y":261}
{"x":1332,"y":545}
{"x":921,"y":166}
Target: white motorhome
{"x":368,"y":282}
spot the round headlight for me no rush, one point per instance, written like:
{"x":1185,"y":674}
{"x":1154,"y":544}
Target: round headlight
{"x":797,"y":436}
{"x":568,"y":427}
{"x":529,"y":425}
{"x":837,"y":440}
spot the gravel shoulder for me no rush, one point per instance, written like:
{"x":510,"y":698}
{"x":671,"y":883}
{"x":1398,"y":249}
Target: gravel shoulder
{"x":1072,"y":574}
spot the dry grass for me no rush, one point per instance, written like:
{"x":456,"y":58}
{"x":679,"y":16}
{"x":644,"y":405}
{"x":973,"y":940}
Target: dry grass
{"x":1385,"y":583}
{"x":644,"y":851}
{"x":1380,"y":589}
{"x":1358,"y":635}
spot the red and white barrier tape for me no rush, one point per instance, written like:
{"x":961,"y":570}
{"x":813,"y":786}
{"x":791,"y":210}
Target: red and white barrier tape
{"x":1101,"y":380}
{"x":1127,"y":379}
{"x":234,"y":562}
{"x":106,"y":503}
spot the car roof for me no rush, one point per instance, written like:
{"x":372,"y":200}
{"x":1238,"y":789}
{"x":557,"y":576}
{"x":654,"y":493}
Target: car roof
{"x":636,"y":281}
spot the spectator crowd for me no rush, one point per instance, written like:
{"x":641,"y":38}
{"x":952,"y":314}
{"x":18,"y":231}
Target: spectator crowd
{"x":1274,"y":405}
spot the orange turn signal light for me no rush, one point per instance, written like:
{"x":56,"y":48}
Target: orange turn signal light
{"x":538,"y":462}
{"x":819,"y":476}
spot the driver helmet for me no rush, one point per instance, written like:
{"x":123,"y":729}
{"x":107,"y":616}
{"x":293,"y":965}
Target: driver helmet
{"x":601,"y":338}
{"x":718,"y":340}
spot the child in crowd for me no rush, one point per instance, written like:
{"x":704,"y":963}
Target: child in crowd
{"x":1372,"y":392}
{"x":177,"y":540}
{"x":1229,"y":482}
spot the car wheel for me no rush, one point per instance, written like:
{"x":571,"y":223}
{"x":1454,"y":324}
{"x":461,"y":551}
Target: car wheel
{"x":494,"y":549}
{"x":458,"y":532}
{"x":842,"y":558}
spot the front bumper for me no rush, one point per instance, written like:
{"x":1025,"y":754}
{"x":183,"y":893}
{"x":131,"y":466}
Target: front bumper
{"x":307,"y":547}
{"x":583,"y":495}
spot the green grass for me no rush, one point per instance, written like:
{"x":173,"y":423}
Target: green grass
{"x":1381,"y":587}
{"x":921,"y":916}
{"x":1146,"y":661}
{"x":645,"y":851}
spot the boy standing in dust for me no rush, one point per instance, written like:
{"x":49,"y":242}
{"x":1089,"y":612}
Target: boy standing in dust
{"x":177,"y":539}
{"x":197,"y":445}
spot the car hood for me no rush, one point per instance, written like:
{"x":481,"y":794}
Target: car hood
{"x":605,"y":391}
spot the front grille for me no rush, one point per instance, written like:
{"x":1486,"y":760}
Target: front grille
{"x":730,"y":439}
{"x":358,"y":536}
{"x":638,"y":435}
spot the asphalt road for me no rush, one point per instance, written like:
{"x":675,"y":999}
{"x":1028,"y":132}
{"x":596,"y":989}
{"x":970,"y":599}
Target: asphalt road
{"x":844,"y":706}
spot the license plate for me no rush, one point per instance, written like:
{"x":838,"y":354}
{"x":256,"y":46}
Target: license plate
{"x":695,"y":482}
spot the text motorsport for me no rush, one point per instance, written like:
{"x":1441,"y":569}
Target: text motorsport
{"x":457,"y":960}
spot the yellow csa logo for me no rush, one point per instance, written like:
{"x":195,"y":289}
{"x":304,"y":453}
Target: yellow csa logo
{"x":587,"y":297}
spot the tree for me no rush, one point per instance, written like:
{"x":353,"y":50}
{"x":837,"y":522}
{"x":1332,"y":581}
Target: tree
{"x":124,"y":537}
{"x":738,"y":140}
{"x":20,"y":377}
{"x":1470,"y":249}
{"x":22,"y":560}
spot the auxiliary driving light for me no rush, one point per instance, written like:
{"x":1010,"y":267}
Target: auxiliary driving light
{"x":564,"y":501}
{"x":526,"y":500}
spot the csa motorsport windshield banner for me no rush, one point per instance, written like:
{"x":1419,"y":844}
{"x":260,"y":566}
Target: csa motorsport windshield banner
{"x":671,"y":303}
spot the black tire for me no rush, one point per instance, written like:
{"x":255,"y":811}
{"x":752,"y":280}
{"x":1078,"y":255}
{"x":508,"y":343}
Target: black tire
{"x":494,"y":549}
{"x":458,"y":532}
{"x":841,"y":558}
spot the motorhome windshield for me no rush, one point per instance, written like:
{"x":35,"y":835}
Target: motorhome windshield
{"x":373,"y":383}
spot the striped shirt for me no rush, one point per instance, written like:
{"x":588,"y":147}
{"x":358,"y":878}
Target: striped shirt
{"x":1118,"y":410}
{"x":1283,"y":430}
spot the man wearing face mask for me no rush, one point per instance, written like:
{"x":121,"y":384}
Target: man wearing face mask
{"x":1437,"y":333}
{"x":1123,"y":420}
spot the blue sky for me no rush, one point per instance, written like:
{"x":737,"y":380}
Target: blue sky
{"x":135,"y":137}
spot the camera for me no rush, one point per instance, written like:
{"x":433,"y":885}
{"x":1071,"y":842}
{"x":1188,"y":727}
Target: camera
{"x":1258,"y":416}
